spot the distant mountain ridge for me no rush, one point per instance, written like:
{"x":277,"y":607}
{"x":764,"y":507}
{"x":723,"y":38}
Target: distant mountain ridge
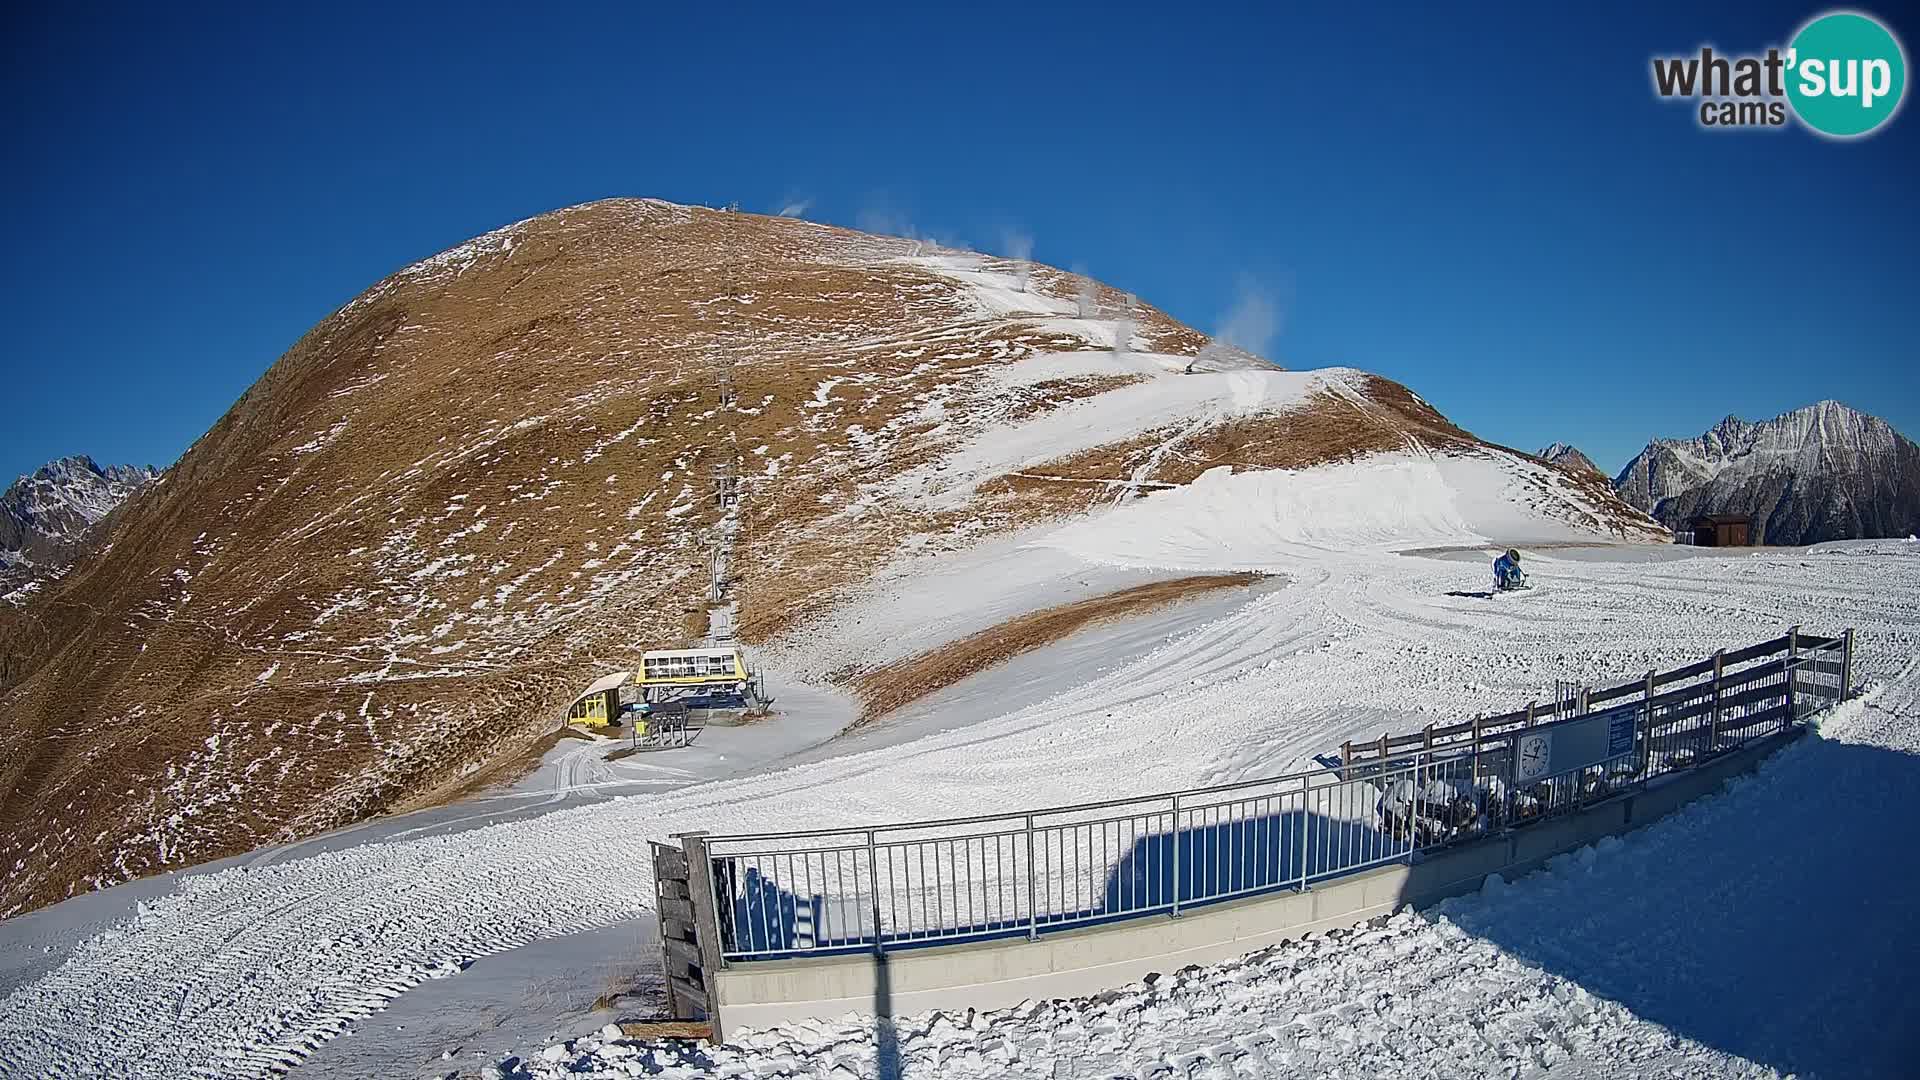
{"x":1824,"y":472}
{"x":1568,"y":457}
{"x":45,"y":515}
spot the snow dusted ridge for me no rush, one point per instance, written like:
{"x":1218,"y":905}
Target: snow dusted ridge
{"x":1635,"y":957}
{"x":1568,"y":457}
{"x":1825,"y":472}
{"x":45,"y":514}
{"x":64,"y":498}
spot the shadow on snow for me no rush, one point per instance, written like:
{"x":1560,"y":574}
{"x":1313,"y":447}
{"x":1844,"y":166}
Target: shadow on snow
{"x":1778,"y":924}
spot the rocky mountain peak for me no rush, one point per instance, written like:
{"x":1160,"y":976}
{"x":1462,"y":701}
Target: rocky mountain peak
{"x":1567,"y":456}
{"x":1823,"y":472}
{"x":47,"y":511}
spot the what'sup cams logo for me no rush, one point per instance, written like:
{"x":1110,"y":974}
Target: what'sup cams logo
{"x":1843,"y":76}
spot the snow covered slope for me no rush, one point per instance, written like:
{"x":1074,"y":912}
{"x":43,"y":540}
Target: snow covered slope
{"x":1271,"y":519}
{"x":1825,"y":472}
{"x":1693,"y":948}
{"x":240,"y":971}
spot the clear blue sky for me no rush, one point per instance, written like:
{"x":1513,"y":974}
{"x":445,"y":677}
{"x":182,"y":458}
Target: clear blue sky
{"x":1491,"y":208}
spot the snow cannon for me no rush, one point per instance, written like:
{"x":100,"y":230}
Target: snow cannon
{"x":1507,"y":575}
{"x":1429,"y":812}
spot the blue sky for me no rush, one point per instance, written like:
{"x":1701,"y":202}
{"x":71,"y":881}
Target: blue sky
{"x":1493,"y":209}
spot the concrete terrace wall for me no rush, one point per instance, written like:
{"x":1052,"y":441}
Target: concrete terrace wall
{"x":1071,"y":963}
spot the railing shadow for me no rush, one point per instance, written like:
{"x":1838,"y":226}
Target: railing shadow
{"x":1774,"y":923}
{"x":760,"y":916}
{"x":1202,"y":863}
{"x":886,"y":1037}
{"x":1243,"y":856}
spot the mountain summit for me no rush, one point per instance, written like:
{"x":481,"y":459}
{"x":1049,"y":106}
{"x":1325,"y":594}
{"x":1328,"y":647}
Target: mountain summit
{"x":509,"y":468}
{"x":1825,"y":472}
{"x":1569,"y":457}
{"x":45,"y":515}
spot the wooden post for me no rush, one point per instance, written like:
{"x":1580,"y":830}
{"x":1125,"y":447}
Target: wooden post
{"x":1846,"y":664}
{"x":1793,"y":671}
{"x":1719,"y":667}
{"x":1646,"y":737}
{"x":706,"y":921}
{"x":1429,"y":736}
{"x":1476,"y":752}
{"x":675,"y":918}
{"x":1346,"y":760}
{"x":1530,"y":708}
{"x":1581,"y":708}
{"x":1383,"y":746}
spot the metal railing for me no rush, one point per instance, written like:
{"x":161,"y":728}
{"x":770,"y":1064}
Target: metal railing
{"x":1031,"y":872}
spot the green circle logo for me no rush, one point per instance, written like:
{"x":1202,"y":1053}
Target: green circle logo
{"x":1846,"y":74}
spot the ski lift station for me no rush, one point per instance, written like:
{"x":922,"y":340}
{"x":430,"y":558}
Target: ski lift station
{"x":712,"y":679}
{"x":598,"y":704}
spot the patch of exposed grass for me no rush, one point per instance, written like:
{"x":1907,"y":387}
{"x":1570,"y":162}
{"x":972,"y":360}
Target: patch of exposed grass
{"x":897,"y":684}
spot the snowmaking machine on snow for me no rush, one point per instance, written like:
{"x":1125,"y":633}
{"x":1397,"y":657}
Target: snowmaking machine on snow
{"x":1507,"y":575}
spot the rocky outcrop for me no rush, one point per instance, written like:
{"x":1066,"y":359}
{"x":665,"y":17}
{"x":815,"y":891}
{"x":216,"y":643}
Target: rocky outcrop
{"x":1570,"y":458}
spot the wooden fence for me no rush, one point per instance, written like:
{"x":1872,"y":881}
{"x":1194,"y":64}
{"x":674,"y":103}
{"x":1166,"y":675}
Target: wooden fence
{"x":685,"y":905}
{"x":1722,"y":675}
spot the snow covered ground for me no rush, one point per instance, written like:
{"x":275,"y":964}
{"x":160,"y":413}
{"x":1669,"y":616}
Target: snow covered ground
{"x":1736,"y":938}
{"x":1733,"y":939}
{"x":247,"y":968}
{"x":1271,"y":519}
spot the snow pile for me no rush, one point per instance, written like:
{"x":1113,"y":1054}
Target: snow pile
{"x":1868,"y":548}
{"x":1409,"y":997}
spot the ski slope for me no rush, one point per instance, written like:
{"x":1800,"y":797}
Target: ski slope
{"x":1700,"y":946}
{"x":246,"y":970}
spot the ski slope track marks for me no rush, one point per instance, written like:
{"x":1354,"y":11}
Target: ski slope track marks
{"x":244,"y":970}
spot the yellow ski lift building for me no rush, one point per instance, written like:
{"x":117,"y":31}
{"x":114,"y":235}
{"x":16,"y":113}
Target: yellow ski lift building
{"x":708,"y":678}
{"x":599,"y":703}
{"x":713,"y":667}
{"x":715,"y":677}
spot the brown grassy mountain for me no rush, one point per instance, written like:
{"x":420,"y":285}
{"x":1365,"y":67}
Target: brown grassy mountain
{"x":491,"y":476}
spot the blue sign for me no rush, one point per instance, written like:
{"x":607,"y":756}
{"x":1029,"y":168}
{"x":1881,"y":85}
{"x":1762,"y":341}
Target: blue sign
{"x":1620,"y":731}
